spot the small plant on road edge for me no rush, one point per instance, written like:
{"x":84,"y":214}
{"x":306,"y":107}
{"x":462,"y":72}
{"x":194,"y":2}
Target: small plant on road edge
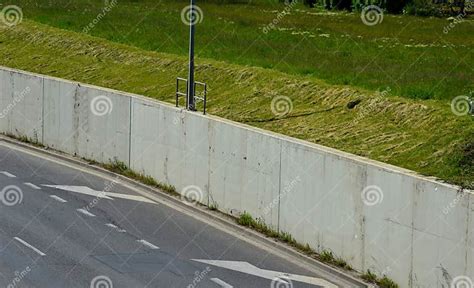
{"x":121,"y":168}
{"x":383,"y":282}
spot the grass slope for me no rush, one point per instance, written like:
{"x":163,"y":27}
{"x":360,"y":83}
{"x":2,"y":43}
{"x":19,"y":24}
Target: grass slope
{"x":426,"y":137}
{"x":411,"y":55}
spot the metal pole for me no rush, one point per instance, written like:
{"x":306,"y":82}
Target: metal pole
{"x":192,"y":22}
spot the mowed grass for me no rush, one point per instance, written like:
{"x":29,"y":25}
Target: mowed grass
{"x":424,"y":136}
{"x":410,"y":55}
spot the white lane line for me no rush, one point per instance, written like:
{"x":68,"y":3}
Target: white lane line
{"x":148,"y":244}
{"x":57,"y":198}
{"x":221,"y":283}
{"x":85,"y":212}
{"x":7,"y":174}
{"x":32,"y":185}
{"x":29,"y":246}
{"x":115,"y":227}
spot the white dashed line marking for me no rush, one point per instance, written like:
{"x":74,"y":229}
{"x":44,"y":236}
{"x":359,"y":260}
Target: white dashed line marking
{"x":115,"y":227}
{"x":148,"y":244}
{"x":29,"y":246}
{"x":85,"y":212}
{"x":221,"y":283}
{"x":57,"y":198}
{"x":32,"y":185}
{"x":7,"y":174}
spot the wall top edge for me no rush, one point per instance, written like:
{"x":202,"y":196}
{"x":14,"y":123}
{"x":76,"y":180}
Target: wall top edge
{"x":306,"y":144}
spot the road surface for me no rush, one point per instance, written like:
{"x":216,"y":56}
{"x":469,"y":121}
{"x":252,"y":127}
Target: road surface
{"x":62,"y":226}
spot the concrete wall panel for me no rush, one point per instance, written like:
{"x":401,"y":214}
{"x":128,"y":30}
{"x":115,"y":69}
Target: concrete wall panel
{"x":27,"y":107}
{"x":440,"y":236}
{"x":102,"y":125}
{"x":324,"y":209}
{"x":59,"y":130}
{"x":244,"y":171}
{"x":6,"y":103}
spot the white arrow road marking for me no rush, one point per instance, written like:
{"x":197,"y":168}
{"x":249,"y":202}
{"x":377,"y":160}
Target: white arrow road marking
{"x":32,"y":185}
{"x":250,"y":269}
{"x":221,"y":283}
{"x":85,"y":212}
{"x":80,"y":189}
{"x":129,"y":197}
{"x":57,"y":198}
{"x":115,"y":227}
{"x":100,"y":194}
{"x":148,"y":244}
{"x":29,"y":246}
{"x":7,"y":174}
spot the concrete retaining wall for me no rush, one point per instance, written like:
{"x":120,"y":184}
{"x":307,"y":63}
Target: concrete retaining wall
{"x":417,"y":231}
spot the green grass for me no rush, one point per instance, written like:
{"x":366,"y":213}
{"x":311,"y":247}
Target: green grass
{"x":121,"y":168}
{"x":411,"y":55}
{"x":424,"y":136}
{"x":383,"y":282}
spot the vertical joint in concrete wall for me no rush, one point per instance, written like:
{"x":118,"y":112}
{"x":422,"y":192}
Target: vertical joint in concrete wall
{"x":279,"y":188}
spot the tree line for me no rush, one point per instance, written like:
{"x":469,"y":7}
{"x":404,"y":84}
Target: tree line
{"x":413,"y":7}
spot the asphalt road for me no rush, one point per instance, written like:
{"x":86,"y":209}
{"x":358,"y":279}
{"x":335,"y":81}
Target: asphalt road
{"x":61,"y":226}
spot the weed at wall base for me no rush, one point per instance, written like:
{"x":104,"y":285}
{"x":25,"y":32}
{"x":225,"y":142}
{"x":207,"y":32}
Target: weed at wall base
{"x":325,"y":256}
